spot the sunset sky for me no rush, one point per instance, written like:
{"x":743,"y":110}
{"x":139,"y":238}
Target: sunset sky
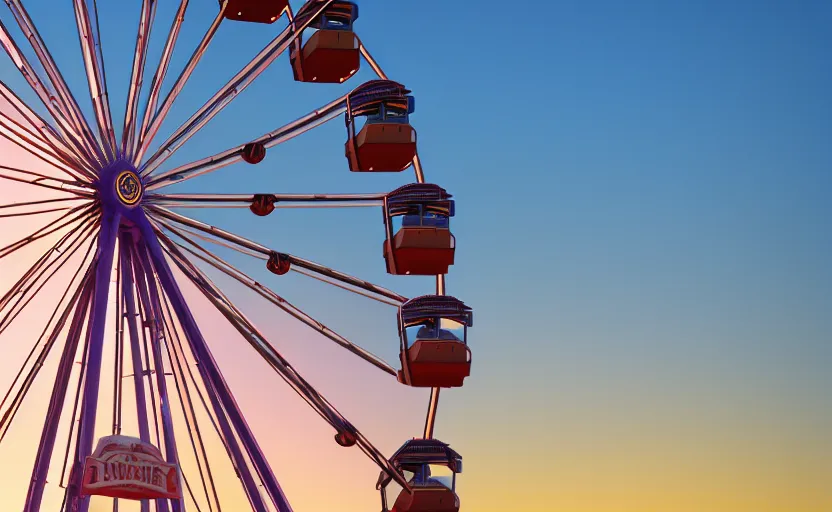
{"x":644,"y":231}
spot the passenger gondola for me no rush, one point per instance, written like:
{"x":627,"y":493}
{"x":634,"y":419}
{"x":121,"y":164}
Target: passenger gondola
{"x":386,"y":142}
{"x":433,"y":333}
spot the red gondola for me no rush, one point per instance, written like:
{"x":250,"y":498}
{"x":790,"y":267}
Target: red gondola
{"x":386,"y":142}
{"x":433,"y":332}
{"x":255,"y":11}
{"x":253,"y":152}
{"x":331,"y":54}
{"x":262,"y":204}
{"x":426,"y":459}
{"x":419,"y":239}
{"x":278,"y":263}
{"x":128,"y":468}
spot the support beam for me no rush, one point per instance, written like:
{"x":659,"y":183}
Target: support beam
{"x":98,"y":319}
{"x":125,"y":243}
{"x":154,"y":308}
{"x":218,"y":391}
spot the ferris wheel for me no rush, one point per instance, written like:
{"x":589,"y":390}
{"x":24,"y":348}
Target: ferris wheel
{"x":114,"y":216}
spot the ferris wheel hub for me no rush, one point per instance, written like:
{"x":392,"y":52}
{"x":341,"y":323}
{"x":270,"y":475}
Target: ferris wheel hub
{"x":120,"y":185}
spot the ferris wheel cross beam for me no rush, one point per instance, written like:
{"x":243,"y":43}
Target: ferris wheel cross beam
{"x":217,"y":388}
{"x":231,"y":90}
{"x":64,"y":96}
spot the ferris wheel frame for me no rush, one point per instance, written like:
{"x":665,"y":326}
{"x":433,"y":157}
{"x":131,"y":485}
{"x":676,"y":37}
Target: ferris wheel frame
{"x":117,"y":181}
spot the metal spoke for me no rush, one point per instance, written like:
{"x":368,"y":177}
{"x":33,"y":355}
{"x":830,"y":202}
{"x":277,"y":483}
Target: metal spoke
{"x":315,"y":118}
{"x":18,"y":134}
{"x":26,"y":283}
{"x":252,"y":254}
{"x":47,"y":133}
{"x":280,"y":200}
{"x":56,"y":402}
{"x":94,"y":61}
{"x":294,"y":260}
{"x":75,"y":405}
{"x":118,"y":364}
{"x":41,"y":202}
{"x":47,"y":97}
{"x":277,"y":300}
{"x":64,"y":95}
{"x":158,"y":79}
{"x":280,"y":365}
{"x":131,"y":114}
{"x":35,"y":212}
{"x":159,"y":117}
{"x":42,"y":232}
{"x":42,"y":180}
{"x":233,"y":88}
{"x":248,"y":198}
{"x":10,"y":413}
{"x":148,"y":332}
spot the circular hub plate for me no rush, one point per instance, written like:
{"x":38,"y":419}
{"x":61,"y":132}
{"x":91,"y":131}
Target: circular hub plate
{"x":128,"y":188}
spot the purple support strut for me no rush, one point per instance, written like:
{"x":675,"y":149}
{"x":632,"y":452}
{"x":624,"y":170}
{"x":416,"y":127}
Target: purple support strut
{"x":214,"y":381}
{"x":86,"y":434}
{"x":135,"y":342}
{"x":151,"y":305}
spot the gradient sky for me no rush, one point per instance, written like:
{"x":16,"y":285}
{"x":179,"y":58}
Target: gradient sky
{"x":643,"y":228}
